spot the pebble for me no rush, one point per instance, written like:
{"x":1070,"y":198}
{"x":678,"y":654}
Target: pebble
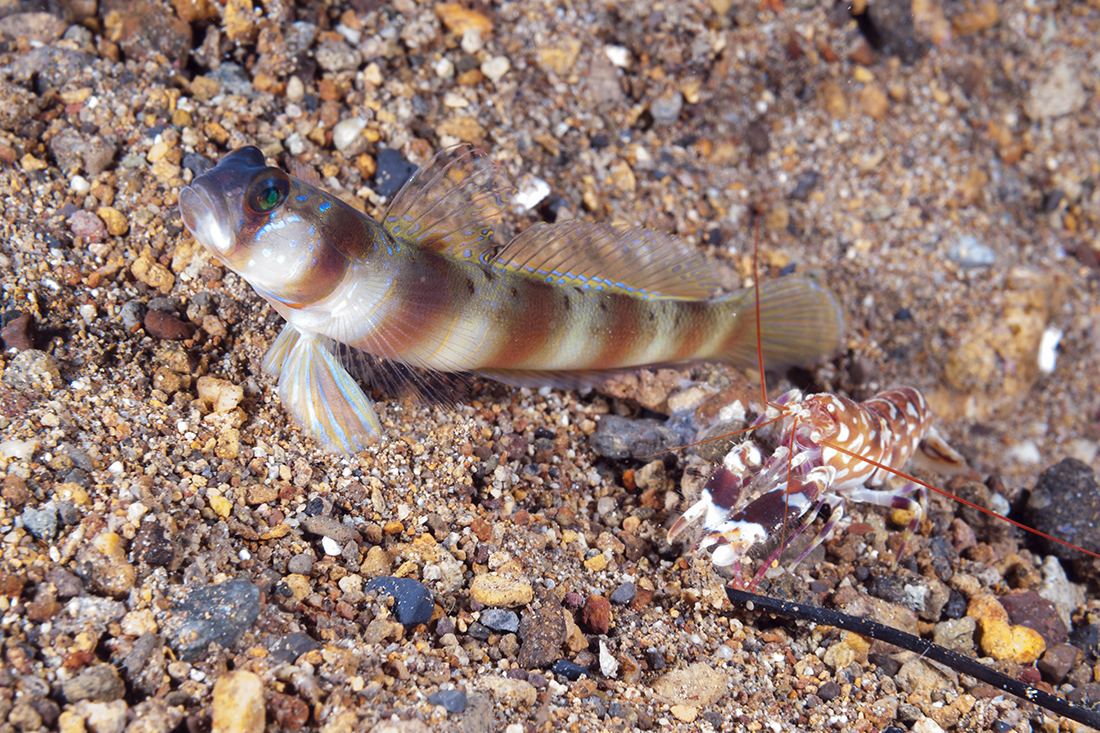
{"x":167,"y":326}
{"x":18,"y":330}
{"x":412,"y":602}
{"x":1001,"y":640}
{"x":301,"y":564}
{"x":968,"y":252}
{"x":499,"y":619}
{"x":697,"y":684}
{"x":346,"y":135}
{"x":392,"y":173}
{"x":453,"y":701}
{"x":105,"y":558}
{"x":624,"y":594}
{"x":197,"y":164}
{"x":73,"y":151}
{"x":596,"y":614}
{"x":99,"y":683}
{"x":152,"y":545}
{"x":326,"y":526}
{"x":1057,"y":662}
{"x":1065,"y":503}
{"x":334,"y":55}
{"x":530,"y":192}
{"x":495,"y":68}
{"x":213,"y":613}
{"x":568,"y":670}
{"x":516,"y":694}
{"x":238,"y":705}
{"x":132,"y":315}
{"x":1028,"y":608}
{"x":116,"y":221}
{"x":42,"y":523}
{"x":666,"y":109}
{"x":542,"y":629}
{"x":620,"y":437}
{"x":1059,"y":93}
{"x":87,"y":226}
{"x":490,"y":589}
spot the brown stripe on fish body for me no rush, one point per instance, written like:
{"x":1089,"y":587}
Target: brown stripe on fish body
{"x":528,"y":322}
{"x":424,"y":302}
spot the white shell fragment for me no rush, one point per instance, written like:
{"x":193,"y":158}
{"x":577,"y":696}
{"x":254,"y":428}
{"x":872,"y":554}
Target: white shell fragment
{"x":1048,"y":349}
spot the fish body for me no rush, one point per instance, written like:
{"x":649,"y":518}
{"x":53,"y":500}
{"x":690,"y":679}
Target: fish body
{"x":426,"y":291}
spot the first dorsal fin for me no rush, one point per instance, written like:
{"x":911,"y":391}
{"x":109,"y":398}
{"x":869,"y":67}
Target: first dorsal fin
{"x":642,"y":262}
{"x":306,"y":173}
{"x":451,"y":204}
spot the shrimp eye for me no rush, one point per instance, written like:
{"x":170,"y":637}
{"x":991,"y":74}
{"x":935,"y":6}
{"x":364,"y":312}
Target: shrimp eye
{"x":267,"y":193}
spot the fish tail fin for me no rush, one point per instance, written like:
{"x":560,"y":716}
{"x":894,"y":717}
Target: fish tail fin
{"x":800,"y":321}
{"x":319,"y":394}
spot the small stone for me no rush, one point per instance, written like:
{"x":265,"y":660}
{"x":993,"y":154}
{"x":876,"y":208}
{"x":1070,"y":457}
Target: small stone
{"x":666,"y":109}
{"x":1001,"y":640}
{"x":499,"y":619}
{"x":100,"y":683}
{"x":393,"y":171}
{"x":412,"y":602}
{"x":495,"y":68}
{"x":238,"y":705}
{"x":696,"y":685}
{"x":596,"y":563}
{"x":326,"y":526}
{"x":1059,"y":93}
{"x":620,"y":437}
{"x":873,"y":101}
{"x":301,"y":564}
{"x":347,"y":138}
{"x":453,"y":701}
{"x":42,"y":523}
{"x":221,"y":506}
{"x":378,"y":562}
{"x":684,"y":713}
{"x":542,"y":629}
{"x":516,"y":694}
{"x":219,"y":394}
{"x":568,"y":670}
{"x":18,"y":330}
{"x":1060,"y":505}
{"x":214,"y":613}
{"x":968,"y":252}
{"x":596,"y":614}
{"x":87,"y":226}
{"x":496,"y":590}
{"x":152,"y":545}
{"x":334,"y":55}
{"x":460,"y":20}
{"x":105,"y":556}
{"x":836,"y":104}
{"x":152,"y":273}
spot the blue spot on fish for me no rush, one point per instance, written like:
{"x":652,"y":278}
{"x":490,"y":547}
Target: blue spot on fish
{"x":325,"y":206}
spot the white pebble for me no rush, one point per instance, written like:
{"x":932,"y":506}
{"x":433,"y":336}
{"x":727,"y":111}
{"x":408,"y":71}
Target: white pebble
{"x":345,"y":132}
{"x":79,"y":184}
{"x":331,"y":547}
{"x":1048,"y":349}
{"x":496,"y":67}
{"x":608,"y":664}
{"x":618,"y":56}
{"x":529,"y":193}
{"x":444,"y":69}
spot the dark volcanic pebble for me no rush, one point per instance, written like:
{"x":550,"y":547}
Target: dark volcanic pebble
{"x":412,"y":602}
{"x":453,"y":701}
{"x":393,"y":171}
{"x":42,"y":523}
{"x":1065,"y":503}
{"x":214,"y":613}
{"x":568,"y":670}
{"x":290,"y":647}
{"x":152,"y":545}
{"x":499,"y":619}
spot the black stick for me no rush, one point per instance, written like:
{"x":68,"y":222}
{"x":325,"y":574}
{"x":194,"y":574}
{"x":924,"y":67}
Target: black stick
{"x":954,"y":660}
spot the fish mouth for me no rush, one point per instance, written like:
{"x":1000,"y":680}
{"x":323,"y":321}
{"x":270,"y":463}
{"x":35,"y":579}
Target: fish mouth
{"x":207,"y":218}
{"x":211,"y":206}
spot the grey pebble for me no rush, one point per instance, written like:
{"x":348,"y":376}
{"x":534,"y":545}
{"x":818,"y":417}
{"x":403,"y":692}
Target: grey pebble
{"x":301,"y":564}
{"x":620,"y":437}
{"x":33,"y":371}
{"x":453,"y":701}
{"x":624,"y":594}
{"x":666,"y":109}
{"x":132,"y":314}
{"x":325,"y":526}
{"x":213,"y":613}
{"x":42,"y":523}
{"x":498,"y":619}
{"x":233,"y":79}
{"x":100,"y":683}
{"x":333,"y":55}
{"x":969,"y":252}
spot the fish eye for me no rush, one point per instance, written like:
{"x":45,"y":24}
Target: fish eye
{"x":267,"y":192}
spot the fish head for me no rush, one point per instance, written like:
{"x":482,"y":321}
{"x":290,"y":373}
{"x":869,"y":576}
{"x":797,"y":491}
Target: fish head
{"x":266,"y":226}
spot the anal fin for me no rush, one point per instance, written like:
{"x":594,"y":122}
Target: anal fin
{"x":320,"y":394}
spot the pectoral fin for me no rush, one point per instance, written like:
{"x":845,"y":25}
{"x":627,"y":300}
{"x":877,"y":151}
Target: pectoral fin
{"x":319,"y":394}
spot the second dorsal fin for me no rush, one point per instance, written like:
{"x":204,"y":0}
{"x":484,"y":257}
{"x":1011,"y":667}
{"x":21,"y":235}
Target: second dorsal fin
{"x":610,"y":257}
